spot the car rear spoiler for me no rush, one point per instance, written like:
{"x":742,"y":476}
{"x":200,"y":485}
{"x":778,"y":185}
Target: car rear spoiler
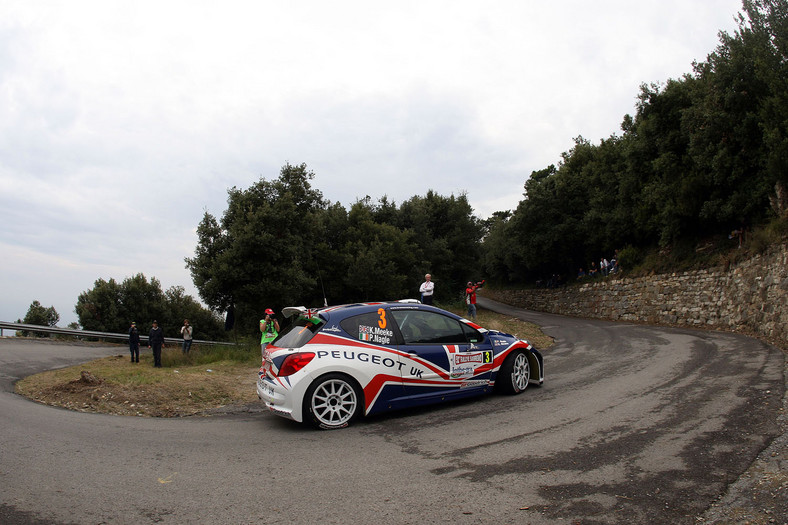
{"x":290,"y":311}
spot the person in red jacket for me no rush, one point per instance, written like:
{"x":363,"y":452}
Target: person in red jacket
{"x":470,"y":297}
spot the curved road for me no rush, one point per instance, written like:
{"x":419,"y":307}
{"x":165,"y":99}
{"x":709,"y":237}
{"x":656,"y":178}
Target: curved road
{"x":634,"y":424}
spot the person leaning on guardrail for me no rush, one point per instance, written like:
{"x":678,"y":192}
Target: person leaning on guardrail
{"x":156,"y":342}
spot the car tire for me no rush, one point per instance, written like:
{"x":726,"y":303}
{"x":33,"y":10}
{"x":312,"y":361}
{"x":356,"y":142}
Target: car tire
{"x":332,"y":401}
{"x":515,"y":373}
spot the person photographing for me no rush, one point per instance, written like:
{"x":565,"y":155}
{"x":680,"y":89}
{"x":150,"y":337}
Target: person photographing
{"x":269,"y":327}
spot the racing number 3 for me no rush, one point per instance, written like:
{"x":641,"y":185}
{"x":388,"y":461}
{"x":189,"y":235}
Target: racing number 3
{"x":382,"y":320}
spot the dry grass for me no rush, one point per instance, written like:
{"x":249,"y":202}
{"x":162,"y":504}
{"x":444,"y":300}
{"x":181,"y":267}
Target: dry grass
{"x":185,"y":385}
{"x":139,"y":389}
{"x":511,"y":325}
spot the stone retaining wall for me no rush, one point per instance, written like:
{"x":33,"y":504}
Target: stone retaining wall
{"x":749,"y":297}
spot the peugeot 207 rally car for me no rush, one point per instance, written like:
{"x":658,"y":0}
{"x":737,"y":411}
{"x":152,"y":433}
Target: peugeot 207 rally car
{"x":334,"y":364}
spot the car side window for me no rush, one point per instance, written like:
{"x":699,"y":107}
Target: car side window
{"x":374,"y":327}
{"x":472,"y":335}
{"x":419,"y":327}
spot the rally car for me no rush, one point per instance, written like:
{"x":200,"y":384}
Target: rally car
{"x":333,"y":364}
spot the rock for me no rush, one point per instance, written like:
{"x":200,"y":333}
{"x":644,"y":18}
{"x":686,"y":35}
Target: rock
{"x":89,"y":379}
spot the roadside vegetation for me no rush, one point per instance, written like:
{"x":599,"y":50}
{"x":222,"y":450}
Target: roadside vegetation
{"x":210,"y":379}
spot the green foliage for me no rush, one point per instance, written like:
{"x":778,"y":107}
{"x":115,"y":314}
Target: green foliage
{"x":262,"y":253}
{"x":280,"y":244}
{"x":40,"y":316}
{"x":111,"y":307}
{"x":630,"y":257}
{"x":703,"y":155}
{"x":446,"y":239}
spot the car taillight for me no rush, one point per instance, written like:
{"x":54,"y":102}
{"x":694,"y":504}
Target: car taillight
{"x":295,"y":362}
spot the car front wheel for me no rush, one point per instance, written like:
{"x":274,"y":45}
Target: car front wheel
{"x":515,"y":374}
{"x":332,"y":401}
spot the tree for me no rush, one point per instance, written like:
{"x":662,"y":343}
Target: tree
{"x":381,"y":256}
{"x":98,"y":309}
{"x":40,"y":316}
{"x":446,"y":242}
{"x":704,"y":154}
{"x":111,"y":307}
{"x":261,"y":253}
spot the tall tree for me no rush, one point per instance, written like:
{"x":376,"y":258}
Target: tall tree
{"x":261,"y":253}
{"x":447,"y":242}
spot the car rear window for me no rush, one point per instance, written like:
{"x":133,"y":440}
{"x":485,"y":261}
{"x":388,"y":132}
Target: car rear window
{"x":371,"y":327}
{"x":299,"y":333}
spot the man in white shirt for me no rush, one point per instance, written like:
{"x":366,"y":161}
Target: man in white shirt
{"x":426,"y":289}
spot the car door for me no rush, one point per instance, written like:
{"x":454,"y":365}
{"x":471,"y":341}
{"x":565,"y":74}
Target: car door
{"x":441,"y":356}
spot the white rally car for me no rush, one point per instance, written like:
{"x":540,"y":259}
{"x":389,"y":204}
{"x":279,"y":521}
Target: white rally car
{"x":333,"y":364}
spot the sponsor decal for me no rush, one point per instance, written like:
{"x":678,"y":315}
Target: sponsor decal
{"x":465,"y":364}
{"x":461,"y":371}
{"x":375,"y":334}
{"x":471,"y":384}
{"x":334,"y":329}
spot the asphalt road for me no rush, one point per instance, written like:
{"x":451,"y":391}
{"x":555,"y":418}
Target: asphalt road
{"x":634,"y":424}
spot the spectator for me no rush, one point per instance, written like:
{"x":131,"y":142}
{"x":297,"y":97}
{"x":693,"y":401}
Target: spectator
{"x":427,"y":288}
{"x":269,"y":328}
{"x":134,"y":343}
{"x":156,"y":342}
{"x":186,"y":332}
{"x":470,"y":297}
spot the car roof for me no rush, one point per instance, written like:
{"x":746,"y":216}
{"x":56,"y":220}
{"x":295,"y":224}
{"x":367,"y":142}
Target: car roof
{"x":347,"y":310}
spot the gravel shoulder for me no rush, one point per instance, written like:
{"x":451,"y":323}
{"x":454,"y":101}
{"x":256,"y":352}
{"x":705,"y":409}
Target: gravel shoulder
{"x":760,"y":495}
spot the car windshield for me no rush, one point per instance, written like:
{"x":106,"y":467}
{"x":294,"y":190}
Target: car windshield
{"x":299,"y":332}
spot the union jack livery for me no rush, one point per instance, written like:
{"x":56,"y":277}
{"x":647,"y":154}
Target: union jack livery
{"x":333,"y":364}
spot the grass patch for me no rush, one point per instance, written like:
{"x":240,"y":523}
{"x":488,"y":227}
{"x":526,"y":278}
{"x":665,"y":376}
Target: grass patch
{"x":204,"y":381}
{"x":509,"y":325}
{"x":197,"y":383}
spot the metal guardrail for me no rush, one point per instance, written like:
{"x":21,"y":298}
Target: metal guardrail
{"x":100,"y":335}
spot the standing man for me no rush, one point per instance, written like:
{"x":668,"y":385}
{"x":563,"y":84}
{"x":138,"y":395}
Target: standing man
{"x":427,"y":288}
{"x":269,"y":328}
{"x":470,"y":297}
{"x":134,"y":343}
{"x":156,"y":341}
{"x":186,"y":331}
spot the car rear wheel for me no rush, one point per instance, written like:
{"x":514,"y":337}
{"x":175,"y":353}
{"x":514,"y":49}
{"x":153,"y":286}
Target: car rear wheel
{"x":332,"y":401}
{"x":515,"y":373}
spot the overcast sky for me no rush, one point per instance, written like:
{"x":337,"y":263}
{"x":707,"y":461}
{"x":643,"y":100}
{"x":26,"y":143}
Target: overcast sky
{"x":122,"y":122}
